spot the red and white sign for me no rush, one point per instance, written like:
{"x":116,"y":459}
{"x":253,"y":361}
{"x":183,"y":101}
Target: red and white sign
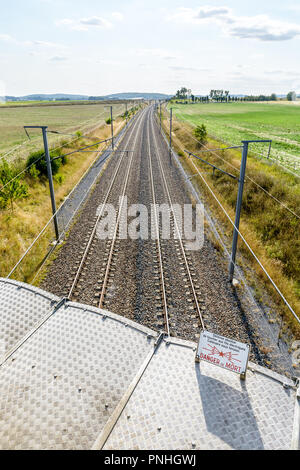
{"x":223,"y":352}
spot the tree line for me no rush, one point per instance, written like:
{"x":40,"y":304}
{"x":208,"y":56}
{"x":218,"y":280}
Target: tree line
{"x":221,"y":96}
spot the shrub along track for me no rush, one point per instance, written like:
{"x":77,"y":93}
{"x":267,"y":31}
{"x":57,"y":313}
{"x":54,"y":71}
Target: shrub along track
{"x":156,"y":282}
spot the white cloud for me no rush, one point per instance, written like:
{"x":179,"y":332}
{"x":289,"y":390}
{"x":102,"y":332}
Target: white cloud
{"x":58,"y":58}
{"x":160,"y":53}
{"x":84,"y":24}
{"x":259,"y":27}
{"x":32,"y":44}
{"x":46,"y":44}
{"x":117,"y":16}
{"x":6,"y":38}
{"x":179,"y":68}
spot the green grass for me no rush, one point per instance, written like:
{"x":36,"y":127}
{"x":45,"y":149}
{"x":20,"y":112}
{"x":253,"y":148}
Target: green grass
{"x":234,"y":122}
{"x":271,"y":230}
{"x":64,"y":118}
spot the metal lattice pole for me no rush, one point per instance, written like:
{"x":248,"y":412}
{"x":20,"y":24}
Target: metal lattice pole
{"x":160,"y":116}
{"x":112,"y":127}
{"x":50,"y":179}
{"x":49,"y":172}
{"x":170,"y":143}
{"x":238,"y":209}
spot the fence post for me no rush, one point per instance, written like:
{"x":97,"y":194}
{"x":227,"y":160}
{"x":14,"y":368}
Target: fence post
{"x":160,"y":116}
{"x":112,"y":128}
{"x":269,"y":151}
{"x":50,"y":179}
{"x":170,"y":144}
{"x":238,"y":208}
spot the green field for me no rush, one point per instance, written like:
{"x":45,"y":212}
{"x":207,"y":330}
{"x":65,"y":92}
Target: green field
{"x":64,"y":118}
{"x":234,"y":122}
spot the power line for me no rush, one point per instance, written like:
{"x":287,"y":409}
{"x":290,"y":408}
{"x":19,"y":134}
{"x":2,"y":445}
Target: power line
{"x":21,"y":172}
{"x":55,"y":214}
{"x":82,"y":149}
{"x":248,"y":177}
{"x":248,"y":246}
{"x":61,"y":133}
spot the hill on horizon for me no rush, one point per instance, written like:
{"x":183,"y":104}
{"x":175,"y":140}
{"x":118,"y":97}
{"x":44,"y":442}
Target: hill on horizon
{"x":66,"y":96}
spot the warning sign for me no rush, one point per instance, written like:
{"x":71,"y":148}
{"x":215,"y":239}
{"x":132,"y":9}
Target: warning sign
{"x":223,"y":352}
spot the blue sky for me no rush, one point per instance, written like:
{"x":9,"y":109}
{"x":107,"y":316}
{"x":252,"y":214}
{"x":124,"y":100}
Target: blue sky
{"x":99,"y":47}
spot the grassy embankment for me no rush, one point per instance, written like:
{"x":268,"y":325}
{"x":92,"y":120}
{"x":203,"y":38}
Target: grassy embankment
{"x":233,"y":122}
{"x":271,"y":231}
{"x":20,"y":226}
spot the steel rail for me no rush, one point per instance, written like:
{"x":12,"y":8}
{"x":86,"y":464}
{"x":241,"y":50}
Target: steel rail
{"x":162,"y":277}
{"x":78,"y":272}
{"x":177,"y":229}
{"x":108,"y":264}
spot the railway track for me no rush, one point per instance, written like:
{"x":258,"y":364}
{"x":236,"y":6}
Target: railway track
{"x":156,"y":281}
{"x":92,"y":242}
{"x":183,"y":260}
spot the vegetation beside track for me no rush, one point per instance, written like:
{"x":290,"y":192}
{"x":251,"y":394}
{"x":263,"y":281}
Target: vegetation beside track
{"x":233,"y":122}
{"x":65,"y":118}
{"x":20,"y":226}
{"x":271,"y":230}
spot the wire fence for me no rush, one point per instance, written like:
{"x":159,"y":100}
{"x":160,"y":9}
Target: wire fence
{"x":277,"y":289}
{"x":85,"y":127}
{"x":77,"y":137}
{"x":267,"y":158}
{"x":214,"y":152}
{"x":45,"y":243}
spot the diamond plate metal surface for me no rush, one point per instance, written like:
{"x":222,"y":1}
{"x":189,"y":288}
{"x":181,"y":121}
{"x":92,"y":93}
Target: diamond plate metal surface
{"x":21,"y":307}
{"x":179,"y":404}
{"x":58,"y":388}
{"x":64,"y":384}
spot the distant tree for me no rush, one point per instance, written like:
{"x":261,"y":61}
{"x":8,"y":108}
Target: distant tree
{"x":291,"y":96}
{"x":182,"y":93}
{"x":219,"y":95}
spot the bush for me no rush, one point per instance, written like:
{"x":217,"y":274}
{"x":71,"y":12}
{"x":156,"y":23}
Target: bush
{"x":59,"y":178}
{"x":10,"y":191}
{"x":38,"y":160}
{"x":34,"y":173}
{"x":201,"y":134}
{"x":108,"y":121}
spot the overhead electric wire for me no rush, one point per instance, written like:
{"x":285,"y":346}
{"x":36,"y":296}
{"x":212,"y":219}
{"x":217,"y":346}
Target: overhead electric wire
{"x":55,"y":214}
{"x":51,"y":218}
{"x":52,"y":159}
{"x":248,"y":246}
{"x":19,"y":174}
{"x":82,"y":148}
{"x":248,"y":177}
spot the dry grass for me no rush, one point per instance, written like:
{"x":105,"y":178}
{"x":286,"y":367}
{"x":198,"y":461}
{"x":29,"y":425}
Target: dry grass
{"x":269,"y":229}
{"x":20,"y":227}
{"x":64,"y":118}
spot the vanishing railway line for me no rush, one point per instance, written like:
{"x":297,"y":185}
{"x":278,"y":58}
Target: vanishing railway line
{"x":187,"y":270}
{"x":154,"y":280}
{"x":92,"y":245}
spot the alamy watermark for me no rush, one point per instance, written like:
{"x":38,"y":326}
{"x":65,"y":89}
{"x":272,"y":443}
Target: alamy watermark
{"x":164,"y":221}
